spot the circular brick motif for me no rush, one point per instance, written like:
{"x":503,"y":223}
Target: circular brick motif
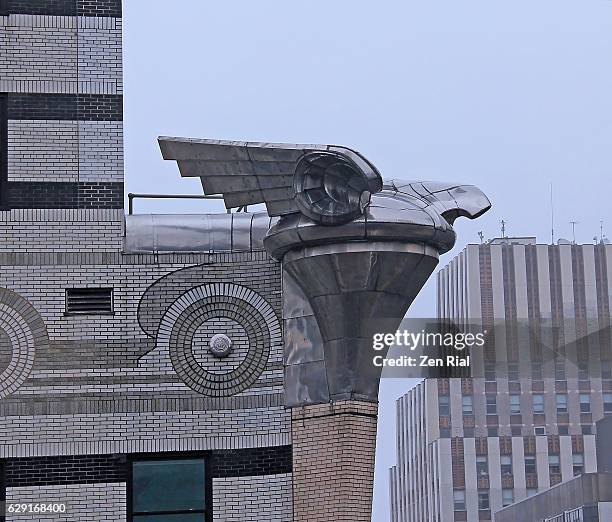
{"x":22,"y":330}
{"x":181,"y":333}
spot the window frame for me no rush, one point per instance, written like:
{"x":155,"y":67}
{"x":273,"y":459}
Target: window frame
{"x":208,"y":483}
{"x":467,"y":401}
{"x":515,"y":397}
{"x":463,"y":500}
{"x":562,"y":405}
{"x":538,"y":411}
{"x":586,"y":403}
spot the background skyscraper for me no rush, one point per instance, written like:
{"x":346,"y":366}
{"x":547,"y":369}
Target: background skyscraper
{"x":467,"y":447}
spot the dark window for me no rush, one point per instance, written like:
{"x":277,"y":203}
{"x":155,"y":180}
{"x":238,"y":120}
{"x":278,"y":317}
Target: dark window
{"x":506,"y":465}
{"x":507,"y":497}
{"x":491,"y":405}
{"x":538,"y":403}
{"x":89,"y":301}
{"x":482,"y":466}
{"x":492,"y":431}
{"x":554,"y":464}
{"x":168,"y":490}
{"x":587,"y":429}
{"x":585,"y":403}
{"x":459,"y":500}
{"x":468,"y":405}
{"x":530,"y":465}
{"x":607,"y":402}
{"x":444,"y":405}
{"x":483,"y":500}
{"x":515,"y":404}
{"x":564,"y":430}
{"x":606,"y":370}
{"x":561,"y":403}
{"x":578,"y":464}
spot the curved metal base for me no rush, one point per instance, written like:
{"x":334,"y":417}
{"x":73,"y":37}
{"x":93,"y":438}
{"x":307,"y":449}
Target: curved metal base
{"x":355,"y":290}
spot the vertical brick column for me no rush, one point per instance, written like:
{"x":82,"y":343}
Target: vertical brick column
{"x":333,"y":461}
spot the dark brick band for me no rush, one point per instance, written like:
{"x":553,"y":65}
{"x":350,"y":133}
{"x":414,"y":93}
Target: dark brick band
{"x":74,"y":469}
{"x":252,"y":462}
{"x":3,"y":151}
{"x":82,"y":107}
{"x":98,"y":469}
{"x":109,"y":8}
{"x":32,"y":194}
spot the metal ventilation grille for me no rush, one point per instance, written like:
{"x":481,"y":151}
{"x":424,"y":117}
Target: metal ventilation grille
{"x":89,"y":301}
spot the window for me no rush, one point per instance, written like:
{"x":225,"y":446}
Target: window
{"x":531,"y":492}
{"x":583,"y":370}
{"x":468,"y":433}
{"x":168,"y":490}
{"x":506,"y":465}
{"x":482,"y":466}
{"x":444,"y":405}
{"x":468,"y":405}
{"x":516,"y":431}
{"x":606,"y":370}
{"x":587,"y":429}
{"x":563,"y":429}
{"x":607,"y":402}
{"x":89,"y":301}
{"x":515,"y":404}
{"x":492,"y":431}
{"x":538,"y":403}
{"x":539,"y":430}
{"x":578,"y":464}
{"x":507,"y":497}
{"x":491,"y":405}
{"x":561,"y":403}
{"x":513,"y":371}
{"x":559,"y":369}
{"x":531,"y":467}
{"x":554,"y":465}
{"x":459,"y":498}
{"x":536,"y":371}
{"x":585,"y":403}
{"x":489,"y":372}
{"x":483,"y":500}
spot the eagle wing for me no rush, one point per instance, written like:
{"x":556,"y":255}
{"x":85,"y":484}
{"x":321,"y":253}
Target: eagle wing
{"x":246,"y":173}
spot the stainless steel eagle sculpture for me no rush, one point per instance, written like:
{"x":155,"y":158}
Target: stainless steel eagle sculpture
{"x":358,"y":248}
{"x":327,"y":185}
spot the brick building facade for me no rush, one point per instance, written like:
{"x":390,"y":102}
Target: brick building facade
{"x":107,"y":378}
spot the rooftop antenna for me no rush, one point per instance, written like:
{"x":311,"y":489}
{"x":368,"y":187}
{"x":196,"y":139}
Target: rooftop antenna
{"x":552,"y":216}
{"x":481,"y":236}
{"x":503,"y":228}
{"x":574,"y":223}
{"x":601,"y":234}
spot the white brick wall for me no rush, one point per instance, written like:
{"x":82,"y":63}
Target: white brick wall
{"x":84,"y":502}
{"x":61,"y":230}
{"x":101,"y":151}
{"x":253,"y":499}
{"x":100,"y":55}
{"x":42,"y":150}
{"x":39,"y":54}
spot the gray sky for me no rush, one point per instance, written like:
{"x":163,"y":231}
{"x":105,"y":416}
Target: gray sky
{"x":508,"y":95}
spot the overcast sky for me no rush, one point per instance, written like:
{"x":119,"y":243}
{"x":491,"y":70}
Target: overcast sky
{"x":509,"y":95}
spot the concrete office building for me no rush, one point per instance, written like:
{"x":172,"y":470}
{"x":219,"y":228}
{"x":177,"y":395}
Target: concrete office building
{"x":586,"y":498}
{"x":468,"y":447}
